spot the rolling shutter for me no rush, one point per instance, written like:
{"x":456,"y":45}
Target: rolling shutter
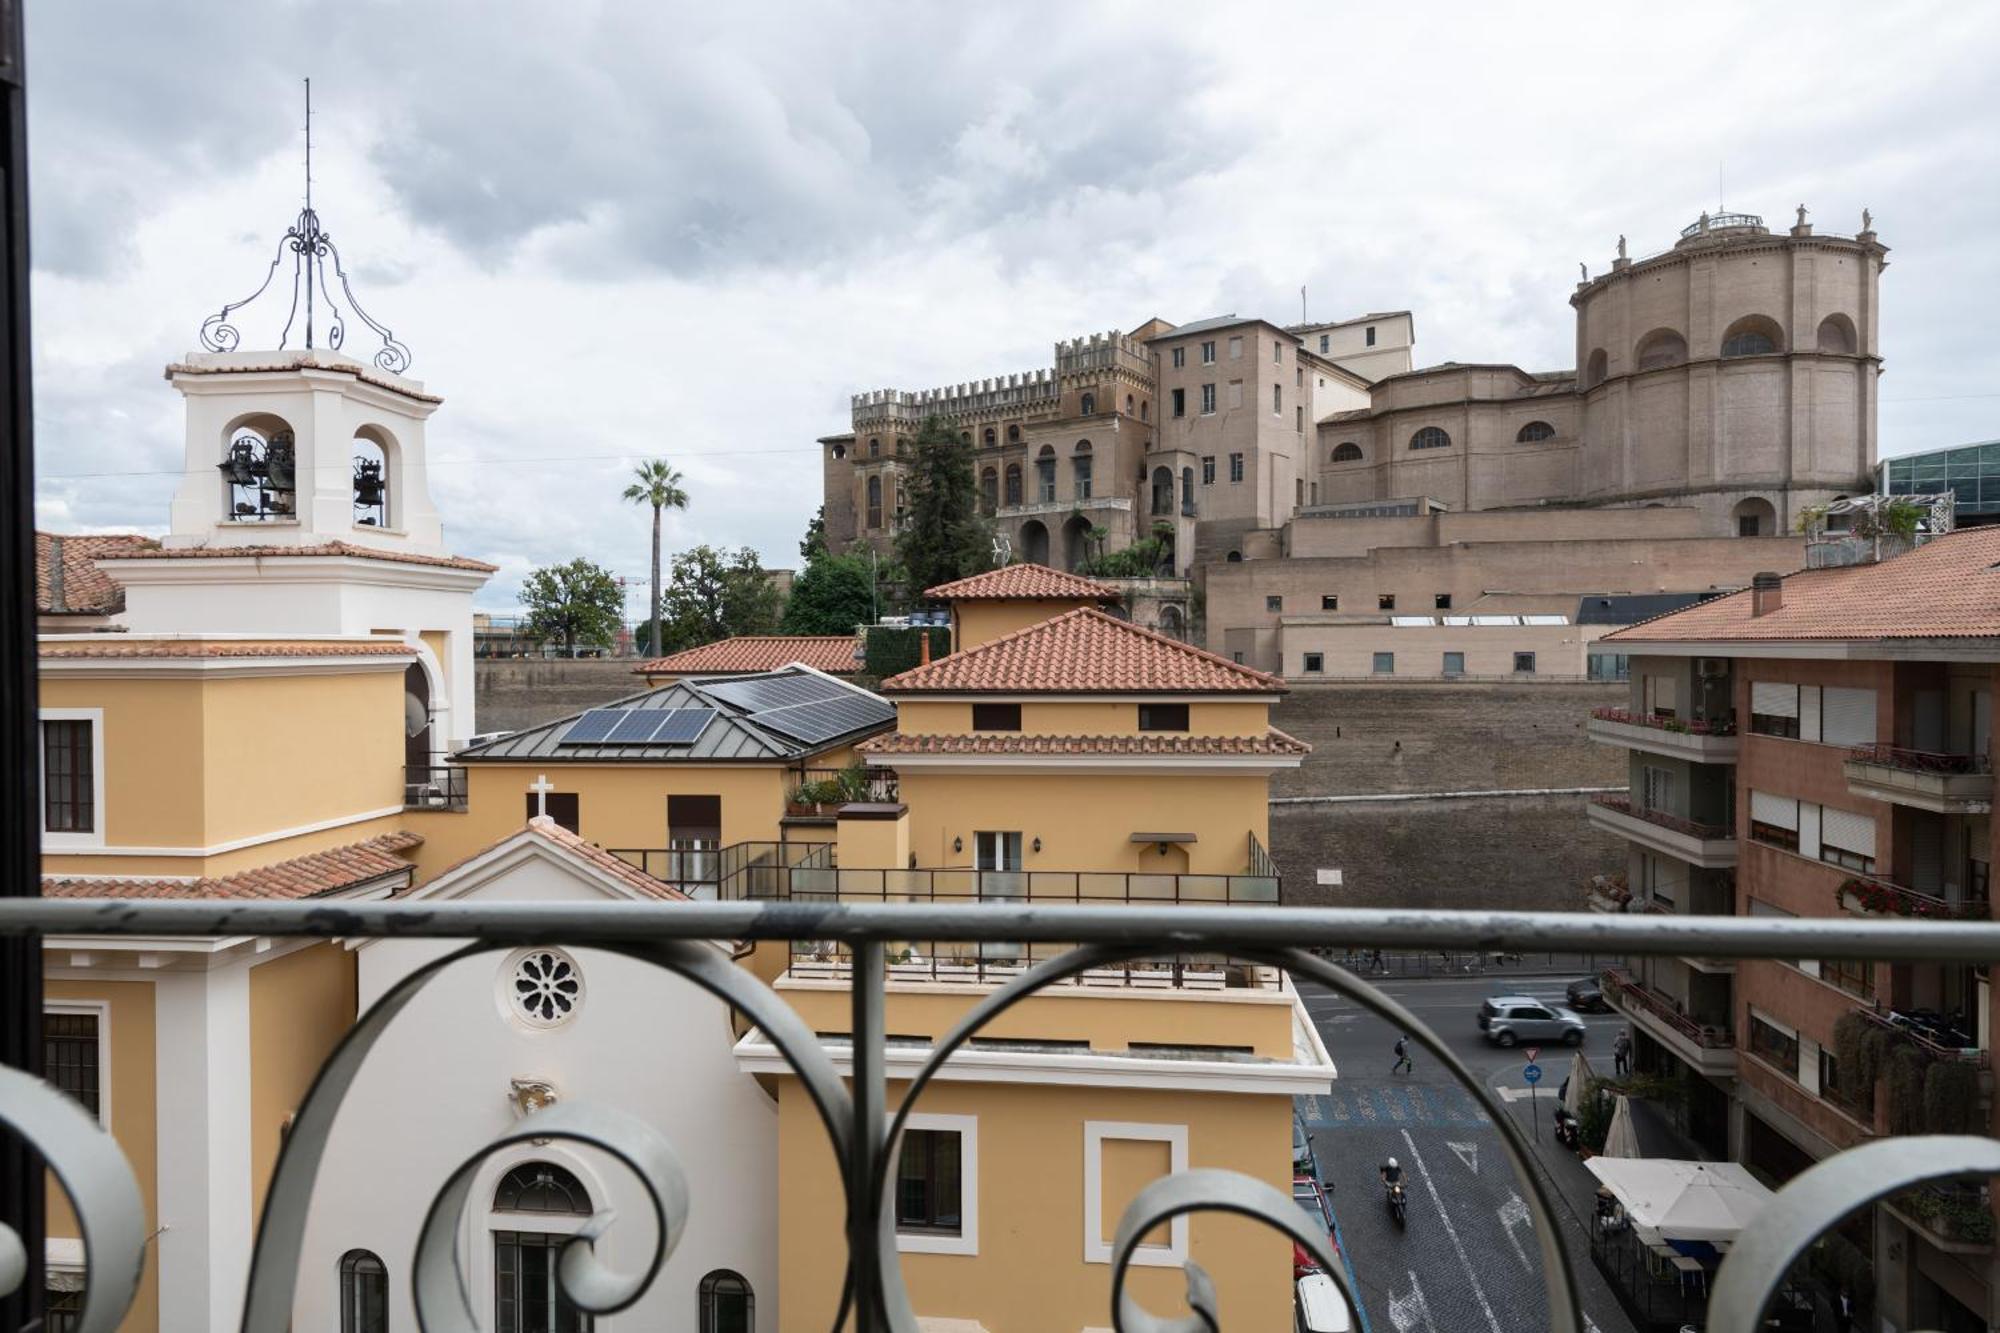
{"x":1848,"y":831}
{"x":1848,"y":717}
{"x":1774,"y":700}
{"x":1777,"y":811}
{"x":1809,"y":728}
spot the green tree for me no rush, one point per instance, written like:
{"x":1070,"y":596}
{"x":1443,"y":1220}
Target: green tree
{"x":657,"y":485}
{"x":813,"y":545}
{"x":944,"y":537}
{"x":711,"y":595}
{"x":831,"y":595}
{"x":578,"y":603}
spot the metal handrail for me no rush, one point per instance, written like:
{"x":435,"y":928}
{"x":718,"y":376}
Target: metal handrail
{"x":867,"y":783}
{"x":1701,"y":1034}
{"x":435,"y":787}
{"x":1917,"y":1034}
{"x":1920,"y":761}
{"x":1624,"y":806}
{"x":1658,"y":722}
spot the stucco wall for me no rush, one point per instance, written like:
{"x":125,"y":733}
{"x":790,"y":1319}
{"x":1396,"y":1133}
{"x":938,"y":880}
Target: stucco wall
{"x":525,"y":692}
{"x":301,"y":1004}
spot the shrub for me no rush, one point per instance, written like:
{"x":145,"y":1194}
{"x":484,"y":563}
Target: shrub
{"x":1951,"y":1098}
{"x":1906,"y":1078}
{"x":892,"y":649}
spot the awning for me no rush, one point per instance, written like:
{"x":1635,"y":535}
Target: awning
{"x":1163,"y":837}
{"x":1685,"y":1201}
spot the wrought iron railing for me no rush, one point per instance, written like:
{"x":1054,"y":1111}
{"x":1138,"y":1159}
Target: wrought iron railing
{"x":1920,"y":761}
{"x":825,"y":790}
{"x":434,"y":787}
{"x":1934,"y":1034}
{"x":1872,"y":895}
{"x":739,"y":870}
{"x":1625,"y":806}
{"x":1683,"y":726}
{"x":1710,"y":1035}
{"x":853,"y":1103}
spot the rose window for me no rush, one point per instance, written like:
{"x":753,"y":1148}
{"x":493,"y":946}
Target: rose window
{"x":546,"y":987}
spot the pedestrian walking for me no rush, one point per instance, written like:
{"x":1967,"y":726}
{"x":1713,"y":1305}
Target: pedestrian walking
{"x":1621,"y":1053}
{"x":1844,"y":1312}
{"x":1403,"y":1061}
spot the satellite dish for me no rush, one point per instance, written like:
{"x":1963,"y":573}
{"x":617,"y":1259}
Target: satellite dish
{"x":416,"y":715}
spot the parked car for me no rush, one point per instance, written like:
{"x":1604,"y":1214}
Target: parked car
{"x":1586,"y":996}
{"x":1508,"y":1020}
{"x":1319,"y":1307}
{"x":1310,"y":1196}
{"x":1305,"y":1162}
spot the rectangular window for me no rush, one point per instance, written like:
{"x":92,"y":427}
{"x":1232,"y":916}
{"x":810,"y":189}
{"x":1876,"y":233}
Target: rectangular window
{"x":1524,"y":664}
{"x":996,"y":851}
{"x":1299,"y":421}
{"x":1847,"y":839}
{"x":527,"y":1298}
{"x":1775,"y":1043}
{"x":1180,"y":357}
{"x":1847,"y":716}
{"x":1277,"y":400}
{"x":1299,"y":378}
{"x":928,"y":1183}
{"x":1208,"y":470}
{"x":1208,"y":353}
{"x":1443,"y":601}
{"x":1274,"y":603}
{"x":70,"y":1056}
{"x":69,"y":782}
{"x":1277,"y":354}
{"x":1385,"y":601}
{"x":1746,"y":525}
{"x":1657,"y":789}
{"x":1325,"y":341}
{"x":562,"y":807}
{"x":1163,"y":717}
{"x":1774,"y":709}
{"x":1371,"y":335}
{"x":1082,"y":477}
{"x":1315,"y":663}
{"x":1610,"y":666}
{"x":1045,"y":479}
{"x":1329,"y":601}
{"x":1454,"y":664}
{"x":1208,"y":400}
{"x":1180,"y":402}
{"x":1852,"y":975}
{"x":996,"y":717}
{"x":1385,"y":664}
{"x":1236,"y":658}
{"x":1236,"y":349}
{"x":1774,"y":820}
{"x":1236,"y":393}
{"x":1236,"y":467}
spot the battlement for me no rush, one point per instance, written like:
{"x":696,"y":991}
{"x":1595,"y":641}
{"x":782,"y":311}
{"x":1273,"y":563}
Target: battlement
{"x":1103,"y":351}
{"x":1026,"y":391}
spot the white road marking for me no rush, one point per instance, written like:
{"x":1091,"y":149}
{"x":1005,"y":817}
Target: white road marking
{"x":1514,"y":1215}
{"x":1410,"y":1312}
{"x":1467,"y":1153}
{"x":1515,"y":1094}
{"x":1437,"y":1202}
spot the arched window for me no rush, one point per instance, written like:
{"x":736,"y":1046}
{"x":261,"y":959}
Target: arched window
{"x":1163,"y":490}
{"x":1235,"y":557}
{"x":364,"y":1293}
{"x":989,"y":490}
{"x":1755,"y":518}
{"x":965,"y":437}
{"x":1660,"y":348}
{"x":527,"y":1297}
{"x":1128,"y":404}
{"x":1535,"y":432}
{"x":371,"y":482}
{"x":1013,"y":434}
{"x":839,"y":452}
{"x":1430,"y":437}
{"x":1347,"y":453}
{"x":1081,"y":463}
{"x":1045,"y":474}
{"x":1142,"y":410}
{"x":727,"y":1304}
{"x":1089,"y":405}
{"x":1836,"y":334}
{"x":259,"y":467}
{"x":988,"y":438}
{"x":1035,"y":542}
{"x":1013,"y":484}
{"x":1753,"y":335}
{"x":874,"y":448}
{"x":1595,"y":369}
{"x":875,"y":501}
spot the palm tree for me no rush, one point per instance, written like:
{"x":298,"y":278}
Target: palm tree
{"x":659,"y":486}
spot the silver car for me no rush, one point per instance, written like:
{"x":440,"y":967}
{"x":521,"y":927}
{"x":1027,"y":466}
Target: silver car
{"x":1508,"y":1020}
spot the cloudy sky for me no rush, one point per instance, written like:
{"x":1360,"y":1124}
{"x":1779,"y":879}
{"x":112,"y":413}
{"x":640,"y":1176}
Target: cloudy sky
{"x":615,"y":231}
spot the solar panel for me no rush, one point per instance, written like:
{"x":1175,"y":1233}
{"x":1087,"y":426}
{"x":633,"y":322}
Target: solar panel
{"x":824,"y":719}
{"x":637,"y":727}
{"x":683,"y":726}
{"x":762,"y":693}
{"x":593,"y":726}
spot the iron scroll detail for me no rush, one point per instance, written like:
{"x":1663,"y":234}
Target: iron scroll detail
{"x":313,"y":252}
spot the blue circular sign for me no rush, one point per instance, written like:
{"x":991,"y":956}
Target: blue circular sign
{"x":1533,"y":1073}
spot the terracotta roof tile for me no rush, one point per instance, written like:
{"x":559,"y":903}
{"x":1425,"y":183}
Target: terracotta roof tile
{"x":120,"y":647}
{"x":1024,"y":583}
{"x":310,"y":876}
{"x":1084,"y":652}
{"x":1948,"y":588}
{"x":86,"y":589}
{"x":1272,"y":742}
{"x":350,"y":549}
{"x":623,"y":871}
{"x":831,"y":653}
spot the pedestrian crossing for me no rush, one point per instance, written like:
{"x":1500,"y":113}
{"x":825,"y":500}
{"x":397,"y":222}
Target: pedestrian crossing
{"x":1383,"y":1108}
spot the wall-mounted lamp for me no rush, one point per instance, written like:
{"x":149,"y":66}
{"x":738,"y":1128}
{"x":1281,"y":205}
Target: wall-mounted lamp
{"x":1037,"y":844}
{"x":958,"y":844}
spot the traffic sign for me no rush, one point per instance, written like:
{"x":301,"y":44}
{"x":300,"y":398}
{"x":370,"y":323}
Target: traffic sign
{"x":1534,"y":1054}
{"x":1533,"y":1073}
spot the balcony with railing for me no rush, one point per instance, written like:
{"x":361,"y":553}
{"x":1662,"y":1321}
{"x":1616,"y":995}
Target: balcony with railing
{"x":1702,"y":740}
{"x":435,"y":787}
{"x":1711,"y":846}
{"x":848,"y":1071}
{"x":1871,"y":895}
{"x":1937,"y":1036}
{"x":1708,"y":1047}
{"x":1956,"y":1218}
{"x":818,"y":793}
{"x":1945,"y":784}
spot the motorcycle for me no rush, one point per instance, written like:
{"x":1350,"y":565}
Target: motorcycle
{"x":1568,"y":1129}
{"x":1398,"y":1205}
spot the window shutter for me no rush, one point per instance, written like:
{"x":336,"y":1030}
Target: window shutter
{"x":1777,"y":811}
{"x":1848,"y":831}
{"x":1809,"y":830}
{"x":1774,"y":700}
{"x":1809,"y":726}
{"x":1927,"y":857}
{"x":1848,"y":717}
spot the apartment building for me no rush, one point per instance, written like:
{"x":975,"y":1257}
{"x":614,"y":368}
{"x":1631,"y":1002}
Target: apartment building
{"x":1820,"y":744}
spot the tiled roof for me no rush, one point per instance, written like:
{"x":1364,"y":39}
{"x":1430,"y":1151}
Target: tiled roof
{"x":86,"y":589}
{"x":1017,"y":583}
{"x":310,"y":876}
{"x":120,"y":647}
{"x":831,"y":653}
{"x":1272,"y":742}
{"x":1948,"y":588}
{"x":1084,"y":652}
{"x":623,"y":871}
{"x":350,"y":549}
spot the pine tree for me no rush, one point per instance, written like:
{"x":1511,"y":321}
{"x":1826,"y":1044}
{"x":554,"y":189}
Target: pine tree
{"x":943,"y":537}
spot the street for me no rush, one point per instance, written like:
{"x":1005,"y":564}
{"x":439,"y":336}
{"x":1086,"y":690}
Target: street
{"x":1467,"y":1261}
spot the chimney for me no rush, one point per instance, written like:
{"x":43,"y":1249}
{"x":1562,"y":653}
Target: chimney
{"x":924,"y":645}
{"x":1767,"y":593}
{"x":58,"y":596}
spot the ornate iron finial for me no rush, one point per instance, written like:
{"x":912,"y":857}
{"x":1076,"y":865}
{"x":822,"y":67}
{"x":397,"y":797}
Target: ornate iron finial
{"x":312,"y":249}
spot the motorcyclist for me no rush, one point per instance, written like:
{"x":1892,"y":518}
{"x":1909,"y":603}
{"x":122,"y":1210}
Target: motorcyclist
{"x":1392,"y":1174}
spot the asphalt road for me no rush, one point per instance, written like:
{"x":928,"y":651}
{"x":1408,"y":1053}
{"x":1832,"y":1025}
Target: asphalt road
{"x":1467,"y":1261}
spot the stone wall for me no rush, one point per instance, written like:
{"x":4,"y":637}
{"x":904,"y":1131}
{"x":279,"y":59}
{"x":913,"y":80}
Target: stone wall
{"x":1515,"y":852}
{"x":512,"y":693}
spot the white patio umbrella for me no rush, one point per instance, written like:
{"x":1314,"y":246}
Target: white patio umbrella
{"x":1687,"y":1201}
{"x":1622,"y":1138}
{"x":1573,"y":1087}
